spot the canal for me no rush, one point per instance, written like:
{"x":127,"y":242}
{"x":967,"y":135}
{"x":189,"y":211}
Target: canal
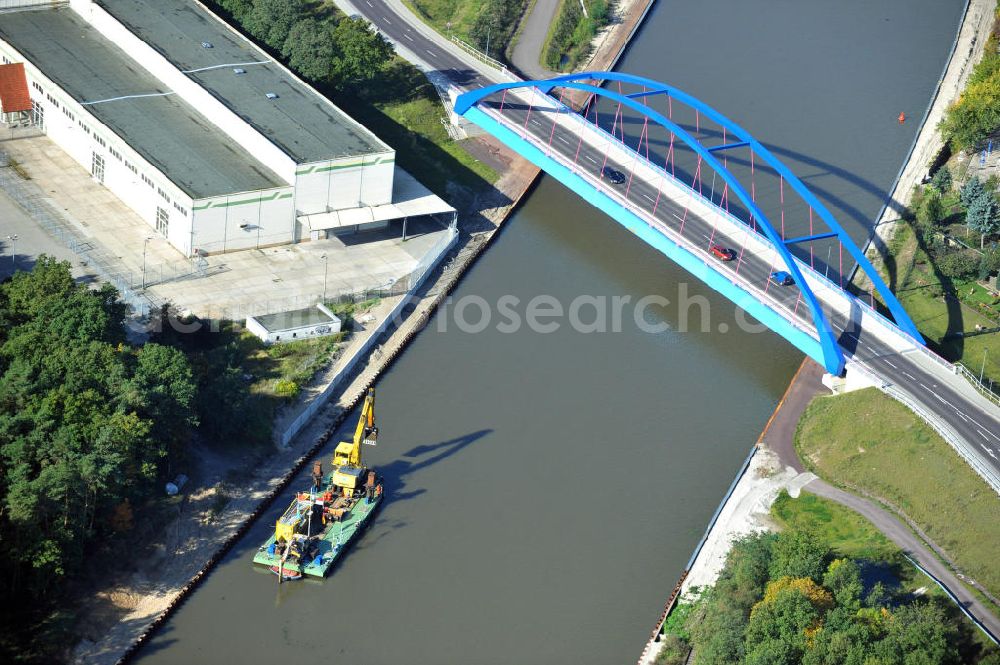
{"x":546,"y":488}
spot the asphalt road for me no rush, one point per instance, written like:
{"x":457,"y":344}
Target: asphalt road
{"x":977,"y":427}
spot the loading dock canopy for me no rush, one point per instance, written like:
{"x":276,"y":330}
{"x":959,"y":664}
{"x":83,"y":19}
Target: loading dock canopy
{"x":409,"y":199}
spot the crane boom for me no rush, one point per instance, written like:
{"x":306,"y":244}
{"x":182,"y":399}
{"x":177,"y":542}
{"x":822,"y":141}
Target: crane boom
{"x":347,"y":456}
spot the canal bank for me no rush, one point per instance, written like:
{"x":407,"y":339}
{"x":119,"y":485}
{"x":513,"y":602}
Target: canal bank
{"x":148,"y":600}
{"x":464,"y":560}
{"x":773,"y":464}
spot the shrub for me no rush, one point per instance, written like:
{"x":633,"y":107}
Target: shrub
{"x":959,"y":265}
{"x":286,"y":388}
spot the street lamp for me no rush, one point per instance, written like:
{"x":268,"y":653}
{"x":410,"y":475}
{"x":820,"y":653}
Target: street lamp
{"x":144,"y":243}
{"x":983,"y":368}
{"x":13,"y":256}
{"x":326,"y":268}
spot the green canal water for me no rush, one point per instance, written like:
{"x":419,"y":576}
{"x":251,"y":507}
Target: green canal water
{"x":545,"y":490}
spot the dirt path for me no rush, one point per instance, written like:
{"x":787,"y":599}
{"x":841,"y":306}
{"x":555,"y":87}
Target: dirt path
{"x":914,"y":548}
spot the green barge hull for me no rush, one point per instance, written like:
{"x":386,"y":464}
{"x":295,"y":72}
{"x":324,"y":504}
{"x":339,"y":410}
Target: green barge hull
{"x":331,"y":542}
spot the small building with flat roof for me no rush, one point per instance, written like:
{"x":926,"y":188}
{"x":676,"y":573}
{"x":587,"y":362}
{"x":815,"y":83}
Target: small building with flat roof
{"x":216,"y":145}
{"x":294,"y":325}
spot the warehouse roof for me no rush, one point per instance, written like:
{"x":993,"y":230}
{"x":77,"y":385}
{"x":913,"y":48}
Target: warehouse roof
{"x":299,"y":120}
{"x":165,"y":130}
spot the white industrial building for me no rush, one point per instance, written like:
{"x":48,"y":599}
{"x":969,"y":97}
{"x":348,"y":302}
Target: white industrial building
{"x":305,"y":323}
{"x":213,"y":143}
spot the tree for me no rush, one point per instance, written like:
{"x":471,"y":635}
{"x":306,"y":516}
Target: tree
{"x":959,"y":265}
{"x":971,"y":191}
{"x":361,"y":53}
{"x":990,"y":263}
{"x":931,"y":210}
{"x":163,"y":390}
{"x":919,"y":634}
{"x":843,"y":578}
{"x":270,"y":21}
{"x":942,"y":180}
{"x":238,"y":9}
{"x":976,"y":114}
{"x":310,"y":49}
{"x":798,"y":554}
{"x":983,"y":216}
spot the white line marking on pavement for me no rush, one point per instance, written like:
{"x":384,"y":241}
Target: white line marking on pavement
{"x":988,"y":451}
{"x":648,"y":197}
{"x":431,"y":53}
{"x":889,"y":363}
{"x":562,"y":139}
{"x":368,"y":2}
{"x":408,"y":37}
{"x":909,"y":376}
{"x":939,"y":398}
{"x":386,"y":19}
{"x":591,"y":158}
{"x":961,"y":415}
{"x":982,"y":434}
{"x":925,"y":387}
{"x":535,"y":122}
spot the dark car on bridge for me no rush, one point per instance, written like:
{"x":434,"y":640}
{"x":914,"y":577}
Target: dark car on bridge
{"x":722,"y":253}
{"x":615,"y":176}
{"x":782,"y":278}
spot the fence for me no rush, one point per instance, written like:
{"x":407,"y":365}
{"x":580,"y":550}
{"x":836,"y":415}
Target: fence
{"x":36,"y":205}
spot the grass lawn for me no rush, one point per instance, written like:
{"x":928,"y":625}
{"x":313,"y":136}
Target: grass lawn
{"x":846,"y":532}
{"x":404,"y":110}
{"x":866,"y":440}
{"x":461,"y":14}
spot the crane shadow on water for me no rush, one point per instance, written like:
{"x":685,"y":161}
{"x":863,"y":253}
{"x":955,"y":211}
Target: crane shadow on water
{"x":396,"y":473}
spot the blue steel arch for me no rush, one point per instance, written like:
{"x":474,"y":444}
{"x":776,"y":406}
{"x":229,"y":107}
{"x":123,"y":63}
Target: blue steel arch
{"x":832,"y":354}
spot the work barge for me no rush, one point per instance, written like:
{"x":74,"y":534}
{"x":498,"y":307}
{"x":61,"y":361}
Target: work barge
{"x":319,"y":524}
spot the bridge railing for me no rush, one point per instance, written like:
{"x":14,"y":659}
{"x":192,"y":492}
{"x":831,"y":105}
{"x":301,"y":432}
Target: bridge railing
{"x":847,"y":300}
{"x":736,"y":225}
{"x":482,"y":57}
{"x":977,"y":384}
{"x":693,"y":196}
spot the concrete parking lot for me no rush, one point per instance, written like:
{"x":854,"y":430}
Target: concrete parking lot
{"x":229,"y":285}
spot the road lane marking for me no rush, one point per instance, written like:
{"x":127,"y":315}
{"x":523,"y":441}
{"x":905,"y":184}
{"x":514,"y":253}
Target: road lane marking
{"x":890,"y":364}
{"x":925,"y":387}
{"x":961,"y":415}
{"x":988,"y":451}
{"x":563,"y":140}
{"x":591,"y":158}
{"x":982,"y":434}
{"x":368,"y":2}
{"x":909,"y":376}
{"x":431,"y":53}
{"x":386,"y":19}
{"x":408,"y":36}
{"x":648,"y":197}
{"x":535,"y":122}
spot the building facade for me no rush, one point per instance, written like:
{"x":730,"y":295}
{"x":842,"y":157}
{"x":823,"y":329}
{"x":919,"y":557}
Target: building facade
{"x":214,"y":144}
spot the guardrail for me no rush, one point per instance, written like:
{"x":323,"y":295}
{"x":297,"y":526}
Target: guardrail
{"x":482,"y":57}
{"x":987,"y":391}
{"x":987,"y":473}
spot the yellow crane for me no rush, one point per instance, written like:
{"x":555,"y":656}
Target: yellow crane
{"x":348,"y":472}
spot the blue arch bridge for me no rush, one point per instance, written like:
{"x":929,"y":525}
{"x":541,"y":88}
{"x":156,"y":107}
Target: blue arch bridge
{"x":703,"y":191}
